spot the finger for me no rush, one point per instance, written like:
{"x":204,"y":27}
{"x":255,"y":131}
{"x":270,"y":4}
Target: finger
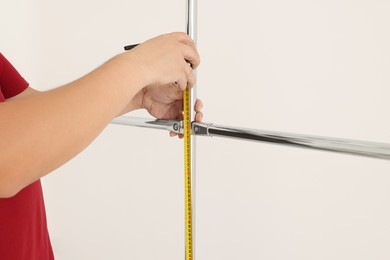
{"x":199,"y":117}
{"x":177,"y":111}
{"x":174,"y":93}
{"x":172,"y":134}
{"x":198,"y":105}
{"x":181,"y":83}
{"x":184,"y":38}
{"x":181,"y":116}
{"x":191,"y":55}
{"x":190,"y":77}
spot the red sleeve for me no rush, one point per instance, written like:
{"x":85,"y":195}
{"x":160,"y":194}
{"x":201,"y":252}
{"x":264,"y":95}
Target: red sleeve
{"x":11,"y":82}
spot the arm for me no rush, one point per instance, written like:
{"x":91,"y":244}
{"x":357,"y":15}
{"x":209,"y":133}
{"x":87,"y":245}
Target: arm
{"x":27,"y":92}
{"x":43,"y":130}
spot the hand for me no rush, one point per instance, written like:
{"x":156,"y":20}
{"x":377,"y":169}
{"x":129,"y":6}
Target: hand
{"x":166,"y":65}
{"x":164,"y":60}
{"x":166,"y":102}
{"x":198,"y":116}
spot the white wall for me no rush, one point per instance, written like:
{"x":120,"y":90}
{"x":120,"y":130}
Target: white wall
{"x":314,"y":67}
{"x":20,"y":37}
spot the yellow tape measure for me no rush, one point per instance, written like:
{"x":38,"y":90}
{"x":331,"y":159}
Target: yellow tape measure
{"x":187,"y":173}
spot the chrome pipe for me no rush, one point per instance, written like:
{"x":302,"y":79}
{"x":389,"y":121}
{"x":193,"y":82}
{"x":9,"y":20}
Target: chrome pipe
{"x":339,"y":145}
{"x":191,"y":29}
{"x":331,"y":144}
{"x":170,"y":125}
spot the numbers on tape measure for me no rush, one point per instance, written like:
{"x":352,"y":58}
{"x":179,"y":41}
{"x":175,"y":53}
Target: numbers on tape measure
{"x":187,"y":173}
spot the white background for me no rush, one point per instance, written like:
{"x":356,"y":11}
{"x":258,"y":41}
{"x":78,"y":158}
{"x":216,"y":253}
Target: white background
{"x":313,"y":67}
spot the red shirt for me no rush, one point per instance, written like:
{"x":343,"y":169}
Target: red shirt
{"x":23,"y":228}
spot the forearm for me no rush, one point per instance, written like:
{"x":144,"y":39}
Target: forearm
{"x":42,"y":131}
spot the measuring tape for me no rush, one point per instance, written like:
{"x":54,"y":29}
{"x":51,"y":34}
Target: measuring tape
{"x":187,"y":167}
{"x":187,"y":173}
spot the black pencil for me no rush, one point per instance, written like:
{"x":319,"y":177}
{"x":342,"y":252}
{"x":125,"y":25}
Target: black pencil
{"x":129,"y":47}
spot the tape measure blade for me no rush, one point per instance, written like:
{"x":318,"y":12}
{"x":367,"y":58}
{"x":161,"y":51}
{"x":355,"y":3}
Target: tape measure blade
{"x":187,"y":173}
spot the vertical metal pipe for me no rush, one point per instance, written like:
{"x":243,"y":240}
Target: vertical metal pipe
{"x":191,"y":24}
{"x":191,"y":28}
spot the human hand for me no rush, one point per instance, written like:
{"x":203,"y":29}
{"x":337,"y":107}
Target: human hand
{"x":198,"y":116}
{"x":165,"y":102}
{"x":165,"y":67}
{"x":164,"y":60}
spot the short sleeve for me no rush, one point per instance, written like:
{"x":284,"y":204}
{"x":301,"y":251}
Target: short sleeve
{"x":11,"y":82}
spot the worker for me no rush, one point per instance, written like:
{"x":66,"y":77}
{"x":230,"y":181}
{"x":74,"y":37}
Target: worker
{"x":40,"y":131}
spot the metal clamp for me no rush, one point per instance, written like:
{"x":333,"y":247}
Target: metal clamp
{"x":201,"y":128}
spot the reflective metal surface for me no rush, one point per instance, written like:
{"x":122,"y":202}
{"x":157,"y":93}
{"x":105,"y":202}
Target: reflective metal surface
{"x":346,"y":146}
{"x":191,"y":24}
{"x":170,"y":125}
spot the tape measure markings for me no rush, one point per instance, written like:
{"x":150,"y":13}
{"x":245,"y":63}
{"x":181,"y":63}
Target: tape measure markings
{"x":187,"y":173}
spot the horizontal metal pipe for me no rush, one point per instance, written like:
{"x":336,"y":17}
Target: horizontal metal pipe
{"x":170,"y":125}
{"x":345,"y":146}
